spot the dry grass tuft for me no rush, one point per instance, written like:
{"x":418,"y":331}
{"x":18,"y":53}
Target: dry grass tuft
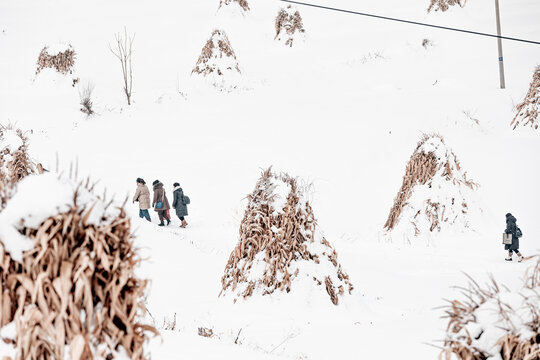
{"x":527,"y":111}
{"x":242,"y":3}
{"x":15,"y":164}
{"x":75,"y":294}
{"x":288,"y":23}
{"x":444,"y":5}
{"x":279,"y":238}
{"x":217,"y":47}
{"x":421,"y":170}
{"x":62,"y":62}
{"x":206,"y":332}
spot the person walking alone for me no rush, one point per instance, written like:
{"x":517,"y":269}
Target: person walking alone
{"x":142,"y":195}
{"x":512,"y":228}
{"x":160,"y":202}
{"x":179,"y":204}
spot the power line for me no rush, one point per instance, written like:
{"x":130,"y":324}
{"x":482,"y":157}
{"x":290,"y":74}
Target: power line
{"x":411,"y":22}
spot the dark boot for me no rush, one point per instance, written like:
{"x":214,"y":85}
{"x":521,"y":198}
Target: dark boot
{"x":161,"y":224}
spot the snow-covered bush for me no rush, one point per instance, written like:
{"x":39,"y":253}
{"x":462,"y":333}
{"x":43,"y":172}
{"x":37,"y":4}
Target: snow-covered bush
{"x":15,"y":163}
{"x":60,"y":57}
{"x":444,"y":5}
{"x":288,"y":25}
{"x":527,"y":111}
{"x":67,"y":282}
{"x":493,"y":322}
{"x":218,"y":62}
{"x":435,"y":192}
{"x":280,"y":245}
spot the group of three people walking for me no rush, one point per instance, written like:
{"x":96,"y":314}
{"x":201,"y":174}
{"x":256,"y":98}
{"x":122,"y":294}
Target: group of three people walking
{"x":160,"y":203}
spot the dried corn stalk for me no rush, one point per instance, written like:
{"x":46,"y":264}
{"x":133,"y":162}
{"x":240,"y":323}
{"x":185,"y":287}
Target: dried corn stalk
{"x":62,"y":62}
{"x":217,"y":56}
{"x":74,"y":294}
{"x":444,"y":5}
{"x":288,"y":25}
{"x":527,"y":111}
{"x":15,"y":164}
{"x":431,"y":166}
{"x":277,"y":236}
{"x":242,"y":3}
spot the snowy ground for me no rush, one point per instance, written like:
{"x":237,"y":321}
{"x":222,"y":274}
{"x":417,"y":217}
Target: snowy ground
{"x":343,"y":110}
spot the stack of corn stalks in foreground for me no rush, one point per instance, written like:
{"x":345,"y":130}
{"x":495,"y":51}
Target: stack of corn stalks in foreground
{"x":15,"y":164}
{"x":527,"y":111}
{"x":444,"y":5}
{"x":279,"y":241}
{"x":288,"y":25}
{"x":242,"y":3}
{"x":493,"y":322}
{"x":61,"y":61}
{"x":434,"y":190}
{"x":67,"y":285}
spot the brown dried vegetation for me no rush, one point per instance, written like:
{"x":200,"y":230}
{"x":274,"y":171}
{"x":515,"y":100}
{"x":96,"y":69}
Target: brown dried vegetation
{"x":282,"y":236}
{"x":217,"y":46}
{"x":62,"y":62}
{"x":527,"y":111}
{"x":75,"y":289}
{"x":444,"y":5}
{"x":242,"y":3}
{"x":288,"y":24}
{"x":420,"y":170}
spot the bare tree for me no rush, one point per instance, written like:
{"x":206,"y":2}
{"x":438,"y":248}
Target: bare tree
{"x":123,"y":50}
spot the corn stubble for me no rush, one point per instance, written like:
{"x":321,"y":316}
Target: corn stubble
{"x":283,"y":238}
{"x":527,"y":111}
{"x":288,"y":23}
{"x":420,"y":170}
{"x":75,"y":293}
{"x":511,"y":347}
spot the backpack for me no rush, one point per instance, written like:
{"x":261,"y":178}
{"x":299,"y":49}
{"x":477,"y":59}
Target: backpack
{"x":185,"y":200}
{"x":518,"y":232}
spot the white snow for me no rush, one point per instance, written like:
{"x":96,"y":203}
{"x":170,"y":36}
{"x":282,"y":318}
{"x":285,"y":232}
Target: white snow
{"x":10,"y":140}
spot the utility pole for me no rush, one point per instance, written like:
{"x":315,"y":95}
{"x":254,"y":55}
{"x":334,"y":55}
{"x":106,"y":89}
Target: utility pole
{"x":499,"y":41}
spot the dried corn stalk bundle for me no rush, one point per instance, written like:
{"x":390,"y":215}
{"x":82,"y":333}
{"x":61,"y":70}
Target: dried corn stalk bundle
{"x":279,"y":240}
{"x":62,"y":60}
{"x":434,"y":189}
{"x":494,"y":323}
{"x":527,"y":111}
{"x":242,"y":3}
{"x":15,"y":163}
{"x":444,"y":5}
{"x":70,"y":290}
{"x":288,"y":25}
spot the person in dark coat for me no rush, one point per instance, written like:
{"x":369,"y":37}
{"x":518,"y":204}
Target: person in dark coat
{"x":179,"y":205}
{"x":512,"y":228}
{"x":161,"y":197}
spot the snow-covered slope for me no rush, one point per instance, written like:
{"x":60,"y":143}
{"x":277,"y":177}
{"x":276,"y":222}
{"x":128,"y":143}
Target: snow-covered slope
{"x":343,"y":109}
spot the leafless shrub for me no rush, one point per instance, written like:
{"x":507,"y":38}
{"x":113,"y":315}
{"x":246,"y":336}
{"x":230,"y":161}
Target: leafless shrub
{"x":427,"y":43}
{"x":288,"y":23}
{"x":527,"y":111}
{"x":75,"y":293}
{"x":444,"y":5}
{"x":279,"y":237}
{"x":85,"y":94}
{"x":62,"y":62}
{"x":123,"y":50}
{"x":242,"y":3}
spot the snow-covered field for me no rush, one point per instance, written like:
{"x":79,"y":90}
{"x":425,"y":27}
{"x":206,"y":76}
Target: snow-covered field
{"x":343,"y":109}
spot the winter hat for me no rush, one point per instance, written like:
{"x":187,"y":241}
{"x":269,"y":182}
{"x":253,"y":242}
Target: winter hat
{"x":508,"y":215}
{"x":141,"y":181}
{"x":176,"y":184}
{"x":155,"y":182}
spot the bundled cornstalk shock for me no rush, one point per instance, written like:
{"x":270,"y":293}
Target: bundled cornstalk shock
{"x":217,"y":56}
{"x":15,"y":163}
{"x":527,"y":111}
{"x":61,"y":60}
{"x":242,"y":3}
{"x":444,"y":5}
{"x":288,"y":25}
{"x":434,"y":189}
{"x":279,"y":241}
{"x":67,"y":274}
{"x":493,"y":322}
